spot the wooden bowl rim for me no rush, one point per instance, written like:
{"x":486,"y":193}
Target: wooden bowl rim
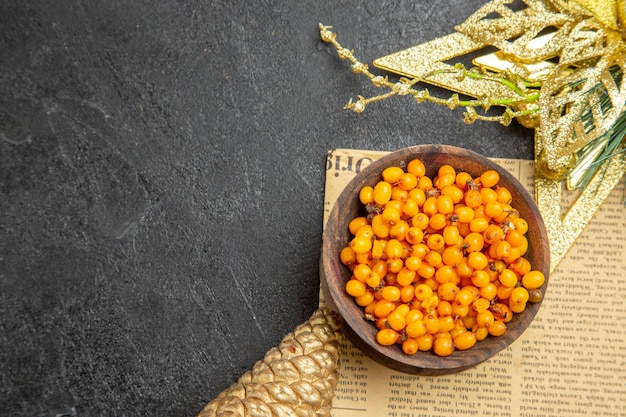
{"x":362,"y":333}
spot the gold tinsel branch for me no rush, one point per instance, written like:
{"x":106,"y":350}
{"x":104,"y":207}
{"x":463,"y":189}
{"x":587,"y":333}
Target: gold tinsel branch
{"x":521,"y":103}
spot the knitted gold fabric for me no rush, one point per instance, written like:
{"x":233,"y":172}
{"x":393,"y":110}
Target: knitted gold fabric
{"x":295,"y":379}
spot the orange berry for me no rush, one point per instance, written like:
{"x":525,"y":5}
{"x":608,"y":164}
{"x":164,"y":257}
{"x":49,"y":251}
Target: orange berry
{"x":392,"y":174}
{"x":387,"y":337}
{"x":533,"y":279}
{"x":407,"y":181}
{"x":489,"y":178}
{"x":416,"y":167}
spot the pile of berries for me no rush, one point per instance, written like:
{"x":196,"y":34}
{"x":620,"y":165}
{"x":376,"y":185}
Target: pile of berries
{"x":438,"y":263}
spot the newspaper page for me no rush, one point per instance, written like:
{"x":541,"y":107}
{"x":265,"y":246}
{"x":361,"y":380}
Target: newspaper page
{"x":570,"y":361}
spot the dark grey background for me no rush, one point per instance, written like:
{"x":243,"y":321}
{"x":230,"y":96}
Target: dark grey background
{"x":161,"y":185}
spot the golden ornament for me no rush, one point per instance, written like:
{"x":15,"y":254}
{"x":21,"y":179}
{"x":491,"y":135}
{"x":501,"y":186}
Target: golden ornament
{"x":295,"y":379}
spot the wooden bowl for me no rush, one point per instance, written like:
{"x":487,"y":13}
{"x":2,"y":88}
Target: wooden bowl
{"x":334,"y":274}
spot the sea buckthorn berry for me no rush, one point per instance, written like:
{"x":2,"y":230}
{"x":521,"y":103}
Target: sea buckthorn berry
{"x":446,"y":169}
{"x":497,"y":328}
{"x":362,"y":272}
{"x":361,"y":244}
{"x":387,"y":337}
{"x":443,"y":346}
{"x":514,"y":237}
{"x":391,"y":293}
{"x":485,"y":318}
{"x":395,"y":265}
{"x":416,"y":167}
{"x":434,"y":241}
{"x":383,"y":308}
{"x":412,"y":263}
{"x":463,"y":270}
{"x":399,"y":230}
{"x":382,"y":192}
{"x":493,"y":208}
{"x":380,"y":228}
{"x":407,"y":293}
{"x":446,"y":323}
{"x":520,"y":225}
{"x":394,"y":249}
{"x":373,"y":280}
{"x":446,"y":273}
{"x":366,"y":195}
{"x":445,"y":205}
{"x":366,"y":299}
{"x":366,"y":257}
{"x":533,"y":279}
{"x":414,"y":235}
{"x":472,"y":198}
{"x":423,"y":291}
{"x":398,"y":194}
{"x":480,"y":305}
{"x":425,"y":342}
{"x":356,"y":223}
{"x":419,"y":250}
{"x":418,"y":195}
{"x":392,"y":174}
{"x":407,"y":181}
{"x":432,"y":323}
{"x":416,"y":329}
{"x":410,"y":346}
{"x":480,"y":278}
{"x":451,"y":235}
{"x":488,"y":195}
{"x":347,"y":256}
{"x":438,"y":221}
{"x":464,"y":214}
{"x":410,"y":208}
{"x":425,"y":183}
{"x":463,"y":179}
{"x":366,"y":231}
{"x":405,"y":276}
{"x":421,"y":221}
{"x":455,"y":193}
{"x":477,"y":260}
{"x":433,"y":258}
{"x":502,"y":249}
{"x":501,"y":312}
{"x":395,"y":320}
{"x":430,"y":206}
{"x":464,"y":340}
{"x":504,"y":195}
{"x":473,"y":242}
{"x":447,"y":291}
{"x":535,"y":295}
{"x":452,"y":256}
{"x":478,"y":224}
{"x":508,"y":278}
{"x":493,"y":234}
{"x":444,"y":308}
{"x":516,"y":307}
{"x":355,"y":288}
{"x":489,"y":178}
{"x":391,"y":215}
{"x":519,"y":296}
{"x":463,"y":298}
{"x":443,"y":181}
{"x":489,"y":291}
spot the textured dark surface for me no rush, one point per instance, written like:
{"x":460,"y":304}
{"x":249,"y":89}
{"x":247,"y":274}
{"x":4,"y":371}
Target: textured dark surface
{"x":161,"y":185}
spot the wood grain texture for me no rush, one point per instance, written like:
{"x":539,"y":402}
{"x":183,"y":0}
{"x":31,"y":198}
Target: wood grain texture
{"x":161,"y":185}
